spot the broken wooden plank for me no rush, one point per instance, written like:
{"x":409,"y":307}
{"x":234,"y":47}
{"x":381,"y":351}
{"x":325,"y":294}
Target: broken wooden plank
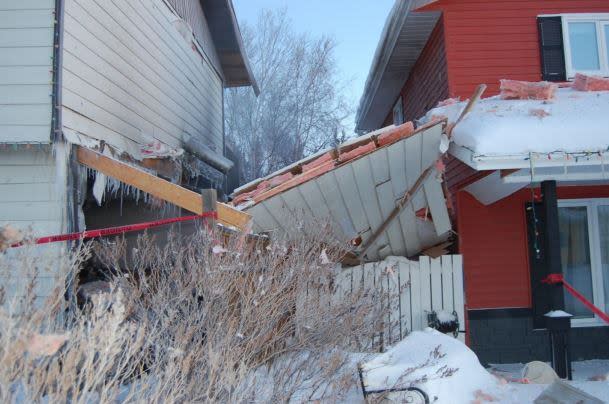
{"x":159,"y":187}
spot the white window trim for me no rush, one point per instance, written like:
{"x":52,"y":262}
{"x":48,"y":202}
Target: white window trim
{"x":600,"y":19}
{"x":598,"y":292}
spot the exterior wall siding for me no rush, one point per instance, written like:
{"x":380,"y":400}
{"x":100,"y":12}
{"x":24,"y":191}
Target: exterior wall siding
{"x":508,"y":336}
{"x":490,"y":40}
{"x":427,"y":83}
{"x":32,"y":199}
{"x":129,"y":76}
{"x":493,"y":242}
{"x":192,"y":12}
{"x":26,"y":70}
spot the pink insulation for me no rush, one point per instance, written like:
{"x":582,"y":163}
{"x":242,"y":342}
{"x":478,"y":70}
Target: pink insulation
{"x":525,"y":90}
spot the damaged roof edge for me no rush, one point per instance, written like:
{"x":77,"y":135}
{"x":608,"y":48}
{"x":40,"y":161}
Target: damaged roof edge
{"x":402,"y":25}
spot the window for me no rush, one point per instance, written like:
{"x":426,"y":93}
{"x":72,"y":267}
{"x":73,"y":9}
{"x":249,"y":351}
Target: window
{"x":398,"y":112}
{"x":584,"y":242}
{"x":586,"y":43}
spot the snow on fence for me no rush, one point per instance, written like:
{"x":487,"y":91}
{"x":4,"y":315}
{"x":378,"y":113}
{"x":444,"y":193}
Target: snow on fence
{"x":411,"y":291}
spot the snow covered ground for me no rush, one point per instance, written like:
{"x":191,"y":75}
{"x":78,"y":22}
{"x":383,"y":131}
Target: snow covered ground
{"x":449,"y":372}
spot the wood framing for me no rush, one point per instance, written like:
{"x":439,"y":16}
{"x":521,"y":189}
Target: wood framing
{"x":159,"y":187}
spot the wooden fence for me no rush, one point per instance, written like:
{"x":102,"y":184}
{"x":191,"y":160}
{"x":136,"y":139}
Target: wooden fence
{"x":411,"y":290}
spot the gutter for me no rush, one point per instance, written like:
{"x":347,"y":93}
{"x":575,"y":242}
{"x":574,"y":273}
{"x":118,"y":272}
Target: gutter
{"x":57,"y":124}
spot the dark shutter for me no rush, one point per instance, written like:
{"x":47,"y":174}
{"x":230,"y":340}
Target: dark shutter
{"x":552,"y":49}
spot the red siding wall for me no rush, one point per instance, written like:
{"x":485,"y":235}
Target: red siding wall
{"x":487,"y":40}
{"x":493,"y":242}
{"x":428,"y":82}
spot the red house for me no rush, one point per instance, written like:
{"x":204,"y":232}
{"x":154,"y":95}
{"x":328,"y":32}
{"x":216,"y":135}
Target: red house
{"x":519,"y":214}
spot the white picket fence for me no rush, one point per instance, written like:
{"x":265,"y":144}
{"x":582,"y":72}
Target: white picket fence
{"x":415,"y":289}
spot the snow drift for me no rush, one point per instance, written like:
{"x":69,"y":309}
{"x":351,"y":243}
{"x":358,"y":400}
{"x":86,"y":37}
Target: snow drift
{"x":440,"y":365}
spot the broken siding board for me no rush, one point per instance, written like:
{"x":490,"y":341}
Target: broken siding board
{"x":263,"y":222}
{"x":405,"y":307}
{"x":162,"y":82}
{"x":437,"y":205}
{"x":294,"y":202}
{"x":81,"y":124}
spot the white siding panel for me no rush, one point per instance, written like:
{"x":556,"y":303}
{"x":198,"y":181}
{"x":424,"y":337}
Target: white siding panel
{"x":128,"y":71}
{"x":25,"y":114}
{"x":32,"y":94}
{"x":26,"y":4}
{"x":26,"y":60}
{"x":10,"y":37}
{"x":30,"y":201}
{"x":38,"y":18}
{"x":32,"y":56}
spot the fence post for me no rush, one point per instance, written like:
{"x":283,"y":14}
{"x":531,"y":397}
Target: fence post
{"x":210,"y":203}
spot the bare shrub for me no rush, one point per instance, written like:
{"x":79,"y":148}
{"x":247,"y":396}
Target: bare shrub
{"x":208,"y":318}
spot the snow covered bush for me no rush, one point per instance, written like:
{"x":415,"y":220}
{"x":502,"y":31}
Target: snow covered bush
{"x":204,"y":318}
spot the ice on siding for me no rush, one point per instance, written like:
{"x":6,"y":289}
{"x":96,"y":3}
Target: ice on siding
{"x":573,"y":122}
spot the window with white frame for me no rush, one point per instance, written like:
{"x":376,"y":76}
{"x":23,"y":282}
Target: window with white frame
{"x":586,"y":42}
{"x":584,"y":242}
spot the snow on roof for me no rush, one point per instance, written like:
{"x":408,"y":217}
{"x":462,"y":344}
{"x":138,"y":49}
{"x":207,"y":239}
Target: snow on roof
{"x":572,"y":122}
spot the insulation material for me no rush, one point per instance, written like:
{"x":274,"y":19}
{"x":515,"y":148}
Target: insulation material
{"x":156,"y":149}
{"x":572,"y":122}
{"x":583,"y":82}
{"x":525,"y":90}
{"x":325,"y":158}
{"x":401,"y":132}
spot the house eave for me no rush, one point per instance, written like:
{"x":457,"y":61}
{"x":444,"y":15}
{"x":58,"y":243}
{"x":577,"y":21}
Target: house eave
{"x":229,"y":44}
{"x":404,"y":36}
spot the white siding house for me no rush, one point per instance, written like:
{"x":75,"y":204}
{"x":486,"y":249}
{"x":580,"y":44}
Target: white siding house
{"x":114,"y":76}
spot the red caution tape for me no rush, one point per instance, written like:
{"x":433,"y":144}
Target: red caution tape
{"x":554,"y":279}
{"x":111,"y":231}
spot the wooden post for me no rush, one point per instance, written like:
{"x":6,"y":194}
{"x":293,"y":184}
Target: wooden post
{"x":552,"y":242}
{"x":210,"y":203}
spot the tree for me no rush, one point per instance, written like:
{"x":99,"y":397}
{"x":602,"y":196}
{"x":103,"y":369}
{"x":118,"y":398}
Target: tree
{"x":300,"y":109}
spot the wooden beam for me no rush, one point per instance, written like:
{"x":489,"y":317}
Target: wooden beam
{"x":158,"y":187}
{"x":406,"y":198}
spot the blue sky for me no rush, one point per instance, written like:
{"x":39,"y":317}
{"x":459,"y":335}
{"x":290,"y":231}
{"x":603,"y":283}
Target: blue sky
{"x":355,"y":24}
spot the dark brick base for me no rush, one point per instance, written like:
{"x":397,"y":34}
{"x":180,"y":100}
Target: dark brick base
{"x":507,"y":336}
